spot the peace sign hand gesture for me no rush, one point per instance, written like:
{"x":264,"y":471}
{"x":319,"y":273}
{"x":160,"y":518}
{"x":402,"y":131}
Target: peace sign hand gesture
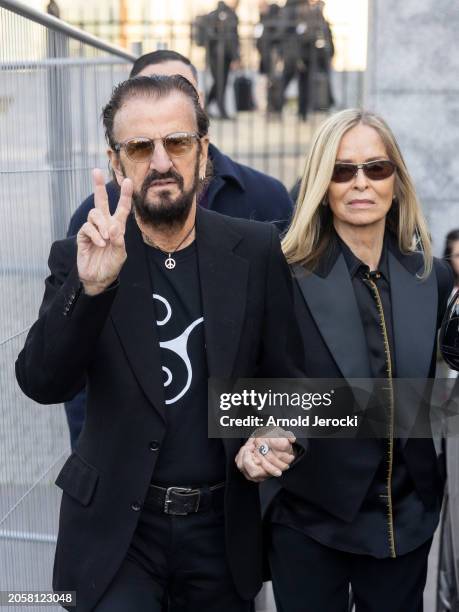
{"x":101,"y":249}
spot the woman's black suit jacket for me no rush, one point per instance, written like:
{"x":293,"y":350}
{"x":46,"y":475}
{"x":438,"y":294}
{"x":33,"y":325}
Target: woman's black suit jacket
{"x":335,"y":475}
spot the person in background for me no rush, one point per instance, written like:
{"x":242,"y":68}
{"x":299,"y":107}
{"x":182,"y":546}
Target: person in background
{"x":232,"y":189}
{"x":222,"y":46}
{"x":451,"y":257}
{"x":448,"y":557}
{"x":323,"y":50}
{"x":370,"y":299}
{"x":295,"y":34}
{"x":53,"y":9}
{"x":268,"y":34}
{"x":451,"y":254}
{"x":307,"y":52}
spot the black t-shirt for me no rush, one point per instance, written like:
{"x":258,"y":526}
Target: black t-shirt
{"x":187,"y":455}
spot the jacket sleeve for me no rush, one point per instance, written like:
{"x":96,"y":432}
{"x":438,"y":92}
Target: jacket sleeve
{"x":282,"y":353}
{"x":51,"y":368}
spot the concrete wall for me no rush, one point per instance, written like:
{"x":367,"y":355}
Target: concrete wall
{"x":413,"y":82}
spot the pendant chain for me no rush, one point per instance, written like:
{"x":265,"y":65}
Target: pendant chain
{"x":170,"y":262}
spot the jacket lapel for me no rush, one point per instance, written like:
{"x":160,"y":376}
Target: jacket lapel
{"x":216,"y":185}
{"x":224,"y":171}
{"x":223,"y":277}
{"x":414,"y":315}
{"x":343,"y":332}
{"x":134,"y":318}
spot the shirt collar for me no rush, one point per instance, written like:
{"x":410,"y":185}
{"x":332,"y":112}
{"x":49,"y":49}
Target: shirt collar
{"x":354,"y":264}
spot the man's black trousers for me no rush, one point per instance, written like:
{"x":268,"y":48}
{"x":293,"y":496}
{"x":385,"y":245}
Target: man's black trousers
{"x":175,"y":563}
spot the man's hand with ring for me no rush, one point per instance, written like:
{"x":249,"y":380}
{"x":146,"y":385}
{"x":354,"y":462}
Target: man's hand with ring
{"x":262,"y":457}
{"x":275,"y":452}
{"x":263,"y":449}
{"x":248,"y":461}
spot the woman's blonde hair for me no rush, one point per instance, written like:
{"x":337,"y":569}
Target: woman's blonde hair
{"x":309,"y":233}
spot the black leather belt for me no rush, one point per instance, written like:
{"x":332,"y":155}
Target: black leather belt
{"x":185,"y":500}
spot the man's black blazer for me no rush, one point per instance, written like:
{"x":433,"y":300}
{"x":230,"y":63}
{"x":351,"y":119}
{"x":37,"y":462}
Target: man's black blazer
{"x":335,"y":474}
{"x":235,"y":190}
{"x":110,"y":342}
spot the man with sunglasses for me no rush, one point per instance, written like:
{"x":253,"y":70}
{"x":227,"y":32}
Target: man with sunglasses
{"x":143,"y":308}
{"x":230,"y":188}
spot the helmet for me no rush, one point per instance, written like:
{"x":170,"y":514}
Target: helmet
{"x":449,"y":334}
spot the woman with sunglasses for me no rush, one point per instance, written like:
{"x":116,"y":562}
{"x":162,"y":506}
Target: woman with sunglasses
{"x":370,"y":297}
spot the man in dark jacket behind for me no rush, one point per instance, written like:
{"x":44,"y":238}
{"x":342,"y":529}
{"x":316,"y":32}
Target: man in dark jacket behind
{"x":234,"y":189}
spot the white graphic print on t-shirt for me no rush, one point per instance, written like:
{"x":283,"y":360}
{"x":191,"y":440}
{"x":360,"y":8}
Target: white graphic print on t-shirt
{"x":178,"y":346}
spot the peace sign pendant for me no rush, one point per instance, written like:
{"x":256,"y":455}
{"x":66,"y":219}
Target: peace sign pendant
{"x":170,"y":263}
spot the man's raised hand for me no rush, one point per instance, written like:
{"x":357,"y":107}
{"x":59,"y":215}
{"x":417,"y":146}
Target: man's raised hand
{"x":101,"y":248}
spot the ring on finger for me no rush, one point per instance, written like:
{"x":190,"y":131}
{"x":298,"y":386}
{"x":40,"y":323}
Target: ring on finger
{"x":263,"y":449}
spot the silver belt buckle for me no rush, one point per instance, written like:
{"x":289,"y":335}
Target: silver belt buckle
{"x":168,"y":502}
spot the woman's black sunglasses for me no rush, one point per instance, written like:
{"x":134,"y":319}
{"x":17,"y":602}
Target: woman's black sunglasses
{"x":377,"y":170}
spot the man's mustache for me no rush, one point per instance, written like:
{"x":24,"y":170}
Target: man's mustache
{"x":158,"y":176}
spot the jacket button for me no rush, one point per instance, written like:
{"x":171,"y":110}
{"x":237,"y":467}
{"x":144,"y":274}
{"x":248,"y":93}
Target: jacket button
{"x":154,"y":445}
{"x":135,"y":506}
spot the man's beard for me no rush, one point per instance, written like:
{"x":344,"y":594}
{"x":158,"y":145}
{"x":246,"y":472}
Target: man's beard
{"x":166,"y":211}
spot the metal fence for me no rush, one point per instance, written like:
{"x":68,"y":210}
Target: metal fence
{"x":273,"y":142}
{"x":53,"y":83}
